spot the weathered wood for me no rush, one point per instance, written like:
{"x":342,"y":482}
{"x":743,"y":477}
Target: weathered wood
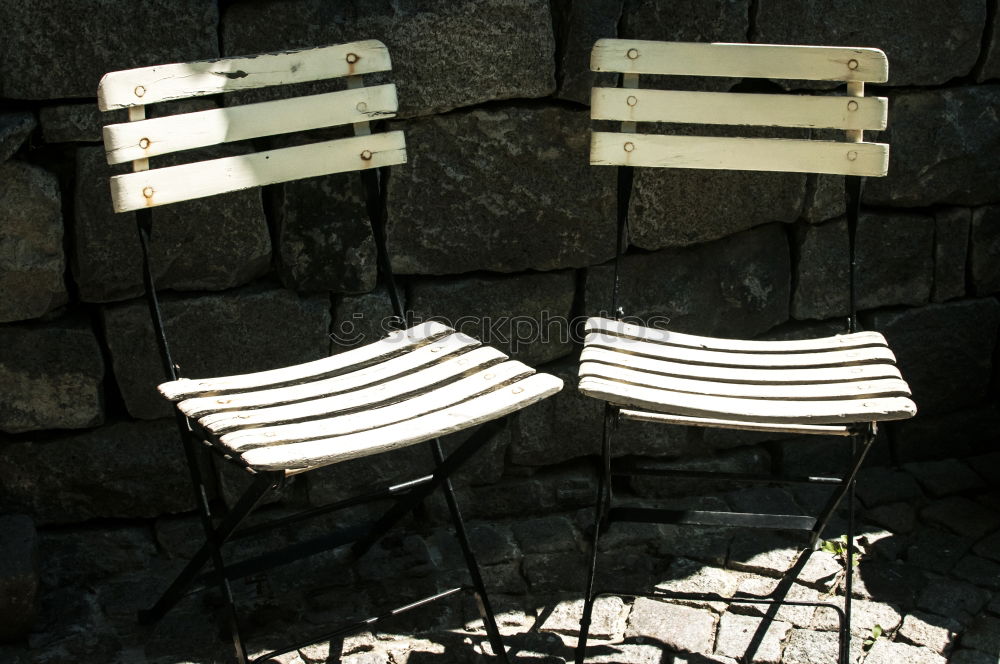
{"x":748,"y":154}
{"x":711,"y":423}
{"x":395,"y":344}
{"x":158,"y":136}
{"x":298,"y":457}
{"x":134,"y":191}
{"x":735,"y":108}
{"x":817,"y":63}
{"x":842,"y":411}
{"x":148,"y":85}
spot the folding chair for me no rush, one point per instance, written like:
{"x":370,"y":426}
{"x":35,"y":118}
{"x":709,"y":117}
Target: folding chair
{"x":836,"y":386}
{"x":411,"y":387}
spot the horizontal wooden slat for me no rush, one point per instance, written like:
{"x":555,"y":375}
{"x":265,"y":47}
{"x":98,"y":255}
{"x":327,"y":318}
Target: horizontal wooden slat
{"x":148,"y":85}
{"x":816,"y":63}
{"x":394,"y":344}
{"x":414,"y":359}
{"x":401,"y":387}
{"x":683,"y":420}
{"x":822,"y":391}
{"x":633,"y":331}
{"x":150,"y":138}
{"x":172,"y":184}
{"x":748,"y":154}
{"x":735,"y":108}
{"x":380,"y":415}
{"x":788,"y":376}
{"x":842,"y":411}
{"x":830,"y":358}
{"x":297,"y":457}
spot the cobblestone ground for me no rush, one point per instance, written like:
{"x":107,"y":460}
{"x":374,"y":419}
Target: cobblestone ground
{"x":927,"y":589}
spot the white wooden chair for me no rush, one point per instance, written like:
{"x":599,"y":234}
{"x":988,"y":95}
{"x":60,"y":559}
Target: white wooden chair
{"x":836,"y":386}
{"x":411,"y":387}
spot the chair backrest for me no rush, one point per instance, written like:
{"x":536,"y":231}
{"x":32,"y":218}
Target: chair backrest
{"x":853,"y":113}
{"x":140,"y":138}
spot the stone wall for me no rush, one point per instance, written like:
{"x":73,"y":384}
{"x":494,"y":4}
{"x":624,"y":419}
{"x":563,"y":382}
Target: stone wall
{"x":496,"y":214}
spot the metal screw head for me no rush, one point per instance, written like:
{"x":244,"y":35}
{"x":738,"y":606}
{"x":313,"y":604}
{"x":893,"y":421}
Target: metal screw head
{"x":632,"y":54}
{"x":629,"y":146}
{"x":139,"y":91}
{"x":488,"y":376}
{"x":517,"y":390}
{"x":352,"y":58}
{"x":631,"y":101}
{"x":366,"y":155}
{"x":852,"y":105}
{"x":143,"y":143}
{"x":362,"y":107}
{"x":852,"y":156}
{"x":852,"y":64}
{"x":147,"y":192}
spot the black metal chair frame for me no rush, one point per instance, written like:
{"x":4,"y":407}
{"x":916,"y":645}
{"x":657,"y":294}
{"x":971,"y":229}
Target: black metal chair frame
{"x":861,"y":440}
{"x":405,"y":496}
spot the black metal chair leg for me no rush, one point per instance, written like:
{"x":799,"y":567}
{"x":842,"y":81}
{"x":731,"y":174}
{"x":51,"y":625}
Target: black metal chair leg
{"x":857,"y":458}
{"x":600,"y":516}
{"x":845,"y":646}
{"x":483,"y":600}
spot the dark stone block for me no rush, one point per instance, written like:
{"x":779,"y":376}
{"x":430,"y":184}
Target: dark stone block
{"x":501,"y":190}
{"x":242,"y":331}
{"x":61,"y":48}
{"x":526,"y":316}
{"x":955,"y":434}
{"x":895,"y":259}
{"x":547,"y":534}
{"x":878,"y":486}
{"x":578,"y":26}
{"x":205,"y":244}
{"x":943,"y":478}
{"x":741,"y":460}
{"x":124,"y":470}
{"x":990,"y":59}
{"x":963,"y":516}
{"x":820,"y":281}
{"x":31,"y":243}
{"x":52,"y":375}
{"x":15,"y":127}
{"x":984,"y":250}
{"x":944,"y":351}
{"x":951,"y":246}
{"x":93,"y":555}
{"x":325,"y":241}
{"x":734,"y":287}
{"x":902,"y":31}
{"x":361,"y":319}
{"x":495,"y":49}
{"x":18,"y":576}
{"x":824,"y":196}
{"x":76,"y":123}
{"x":942,"y":148}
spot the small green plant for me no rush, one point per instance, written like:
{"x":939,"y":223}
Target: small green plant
{"x":872,"y":638}
{"x":838,"y":547}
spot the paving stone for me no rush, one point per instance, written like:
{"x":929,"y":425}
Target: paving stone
{"x":897,"y":517}
{"x":971,"y":657}
{"x":984,"y":635}
{"x":52,"y":375}
{"x":525,"y":315}
{"x":942,"y":478}
{"x":936,"y":550}
{"x":895,"y":583}
{"x":938,"y":138}
{"x":955,"y":599}
{"x":15,"y":127}
{"x":880,"y":485}
{"x":988,"y":466}
{"x":797,"y":616}
{"x":984,"y":250}
{"x":45,"y":59}
{"x":961,"y":515}
{"x":689,"y":576}
{"x":865,"y":615}
{"x":578,"y":26}
{"x":736,"y":633}
{"x":497,"y":50}
{"x":210,"y":335}
{"x":989,"y":547}
{"x":211,"y":243}
{"x":982,"y":572}
{"x":935,"y":632}
{"x":32,"y":263}
{"x":607,"y":620}
{"x":675,"y":626}
{"x":564,"y":219}
{"x":548,"y":534}
{"x":893,"y":652}
{"x":737,"y":286}
{"x":76,"y":123}
{"x":123,"y":470}
{"x":762,"y":552}
{"x":18,"y":576}
{"x":951,"y":247}
{"x":959,"y":433}
{"x":806,"y":646}
{"x":900,"y":31}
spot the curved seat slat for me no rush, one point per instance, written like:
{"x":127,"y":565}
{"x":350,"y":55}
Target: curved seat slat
{"x":687,"y":420}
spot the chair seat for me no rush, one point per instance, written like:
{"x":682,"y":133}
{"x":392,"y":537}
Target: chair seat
{"x":411,"y":386}
{"x":772,"y":385}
